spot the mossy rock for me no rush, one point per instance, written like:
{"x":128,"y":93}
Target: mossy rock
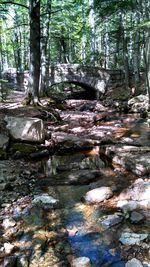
{"x":3,"y":81}
{"x":23,"y":148}
{"x":123,"y":97}
{"x":3,"y":154}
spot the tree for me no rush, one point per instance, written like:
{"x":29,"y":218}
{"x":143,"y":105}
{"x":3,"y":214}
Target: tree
{"x":45,"y":53}
{"x":34,"y":71}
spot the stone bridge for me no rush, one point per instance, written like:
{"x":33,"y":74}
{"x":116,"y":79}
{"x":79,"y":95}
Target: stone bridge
{"x":90,"y":78}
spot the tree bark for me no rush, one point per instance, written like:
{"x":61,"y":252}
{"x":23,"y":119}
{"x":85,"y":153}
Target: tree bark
{"x":147,"y":61}
{"x":44,"y":50}
{"x":34,"y":69}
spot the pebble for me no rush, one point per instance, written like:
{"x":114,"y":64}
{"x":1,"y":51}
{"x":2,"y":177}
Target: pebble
{"x":81,"y":262}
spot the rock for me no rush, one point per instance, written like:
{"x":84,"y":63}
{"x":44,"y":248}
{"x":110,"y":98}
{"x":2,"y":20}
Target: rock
{"x":3,"y":186}
{"x":45,"y":200}
{"x":144,"y":203}
{"x":81,"y":262}
{"x":118,"y":264}
{"x":146,"y":264}
{"x":39,"y":154}
{"x":136,"y":217}
{"x":129,"y":238}
{"x":74,"y":177}
{"x":111,"y":220}
{"x":4,"y":139}
{"x":10,"y":261}
{"x":22,"y":261}
{"x":127,"y":205}
{"x":93,"y":162}
{"x":139,"y":191}
{"x":8,"y":222}
{"x":139,"y":102}
{"x":8,"y":248}
{"x":139,"y":164}
{"x":134,"y":263}
{"x":26,"y":129}
{"x":23,"y":148}
{"x":98,"y":195}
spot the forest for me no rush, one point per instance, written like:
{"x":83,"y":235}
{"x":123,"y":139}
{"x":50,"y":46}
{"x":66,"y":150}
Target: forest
{"x":74,"y":133}
{"x":108,"y":34}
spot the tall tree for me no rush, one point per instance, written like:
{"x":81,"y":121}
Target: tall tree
{"x":34,"y":71}
{"x":44,"y":48}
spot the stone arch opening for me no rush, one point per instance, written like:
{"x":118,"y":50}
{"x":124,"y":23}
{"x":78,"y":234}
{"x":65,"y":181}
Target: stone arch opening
{"x":92,"y":79}
{"x":74,"y":90}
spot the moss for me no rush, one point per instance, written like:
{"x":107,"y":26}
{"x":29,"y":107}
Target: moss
{"x":3,"y":81}
{"x":24,"y":148}
{"x":121,"y":97}
{"x":3,"y":154}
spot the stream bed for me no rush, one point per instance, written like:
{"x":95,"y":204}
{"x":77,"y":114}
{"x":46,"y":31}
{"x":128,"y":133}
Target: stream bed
{"x":88,"y":198}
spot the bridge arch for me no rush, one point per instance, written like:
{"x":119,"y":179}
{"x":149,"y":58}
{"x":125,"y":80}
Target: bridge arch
{"x":89,"y":78}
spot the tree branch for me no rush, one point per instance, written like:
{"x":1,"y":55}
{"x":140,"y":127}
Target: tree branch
{"x":14,"y":3}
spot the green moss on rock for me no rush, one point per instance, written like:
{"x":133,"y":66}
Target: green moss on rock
{"x":3,"y":154}
{"x":23,"y":148}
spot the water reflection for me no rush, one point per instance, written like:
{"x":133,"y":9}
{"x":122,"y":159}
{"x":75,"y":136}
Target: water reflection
{"x":91,"y":245}
{"x":78,"y":161}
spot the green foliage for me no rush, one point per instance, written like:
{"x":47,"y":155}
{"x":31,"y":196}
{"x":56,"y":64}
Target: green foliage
{"x":71,"y":32}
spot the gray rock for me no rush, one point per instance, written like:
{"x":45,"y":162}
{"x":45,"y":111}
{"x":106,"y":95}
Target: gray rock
{"x":92,"y":163}
{"x":22,"y":261}
{"x":45,"y":200}
{"x":3,"y":186}
{"x":146,"y":264}
{"x":98,"y":195}
{"x":111,"y":220}
{"x":74,"y":177}
{"x":10,"y":261}
{"x":139,"y":164}
{"x":118,"y":264}
{"x":139,"y":191}
{"x":138,"y":102}
{"x":128,"y":238}
{"x":127,"y":205}
{"x":4,"y":139}
{"x":134,"y":263}
{"x":26,"y":129}
{"x":136,"y":217}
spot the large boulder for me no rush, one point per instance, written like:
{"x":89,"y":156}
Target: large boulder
{"x":139,"y":103}
{"x":26,"y":129}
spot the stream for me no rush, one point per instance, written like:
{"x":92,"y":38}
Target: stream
{"x":50,"y":214}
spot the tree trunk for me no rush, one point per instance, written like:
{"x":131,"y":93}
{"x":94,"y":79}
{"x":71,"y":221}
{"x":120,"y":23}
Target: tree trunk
{"x":44,"y":50}
{"x":34,"y":69}
{"x":125,"y":50}
{"x":92,"y":30}
{"x":147,"y":61}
